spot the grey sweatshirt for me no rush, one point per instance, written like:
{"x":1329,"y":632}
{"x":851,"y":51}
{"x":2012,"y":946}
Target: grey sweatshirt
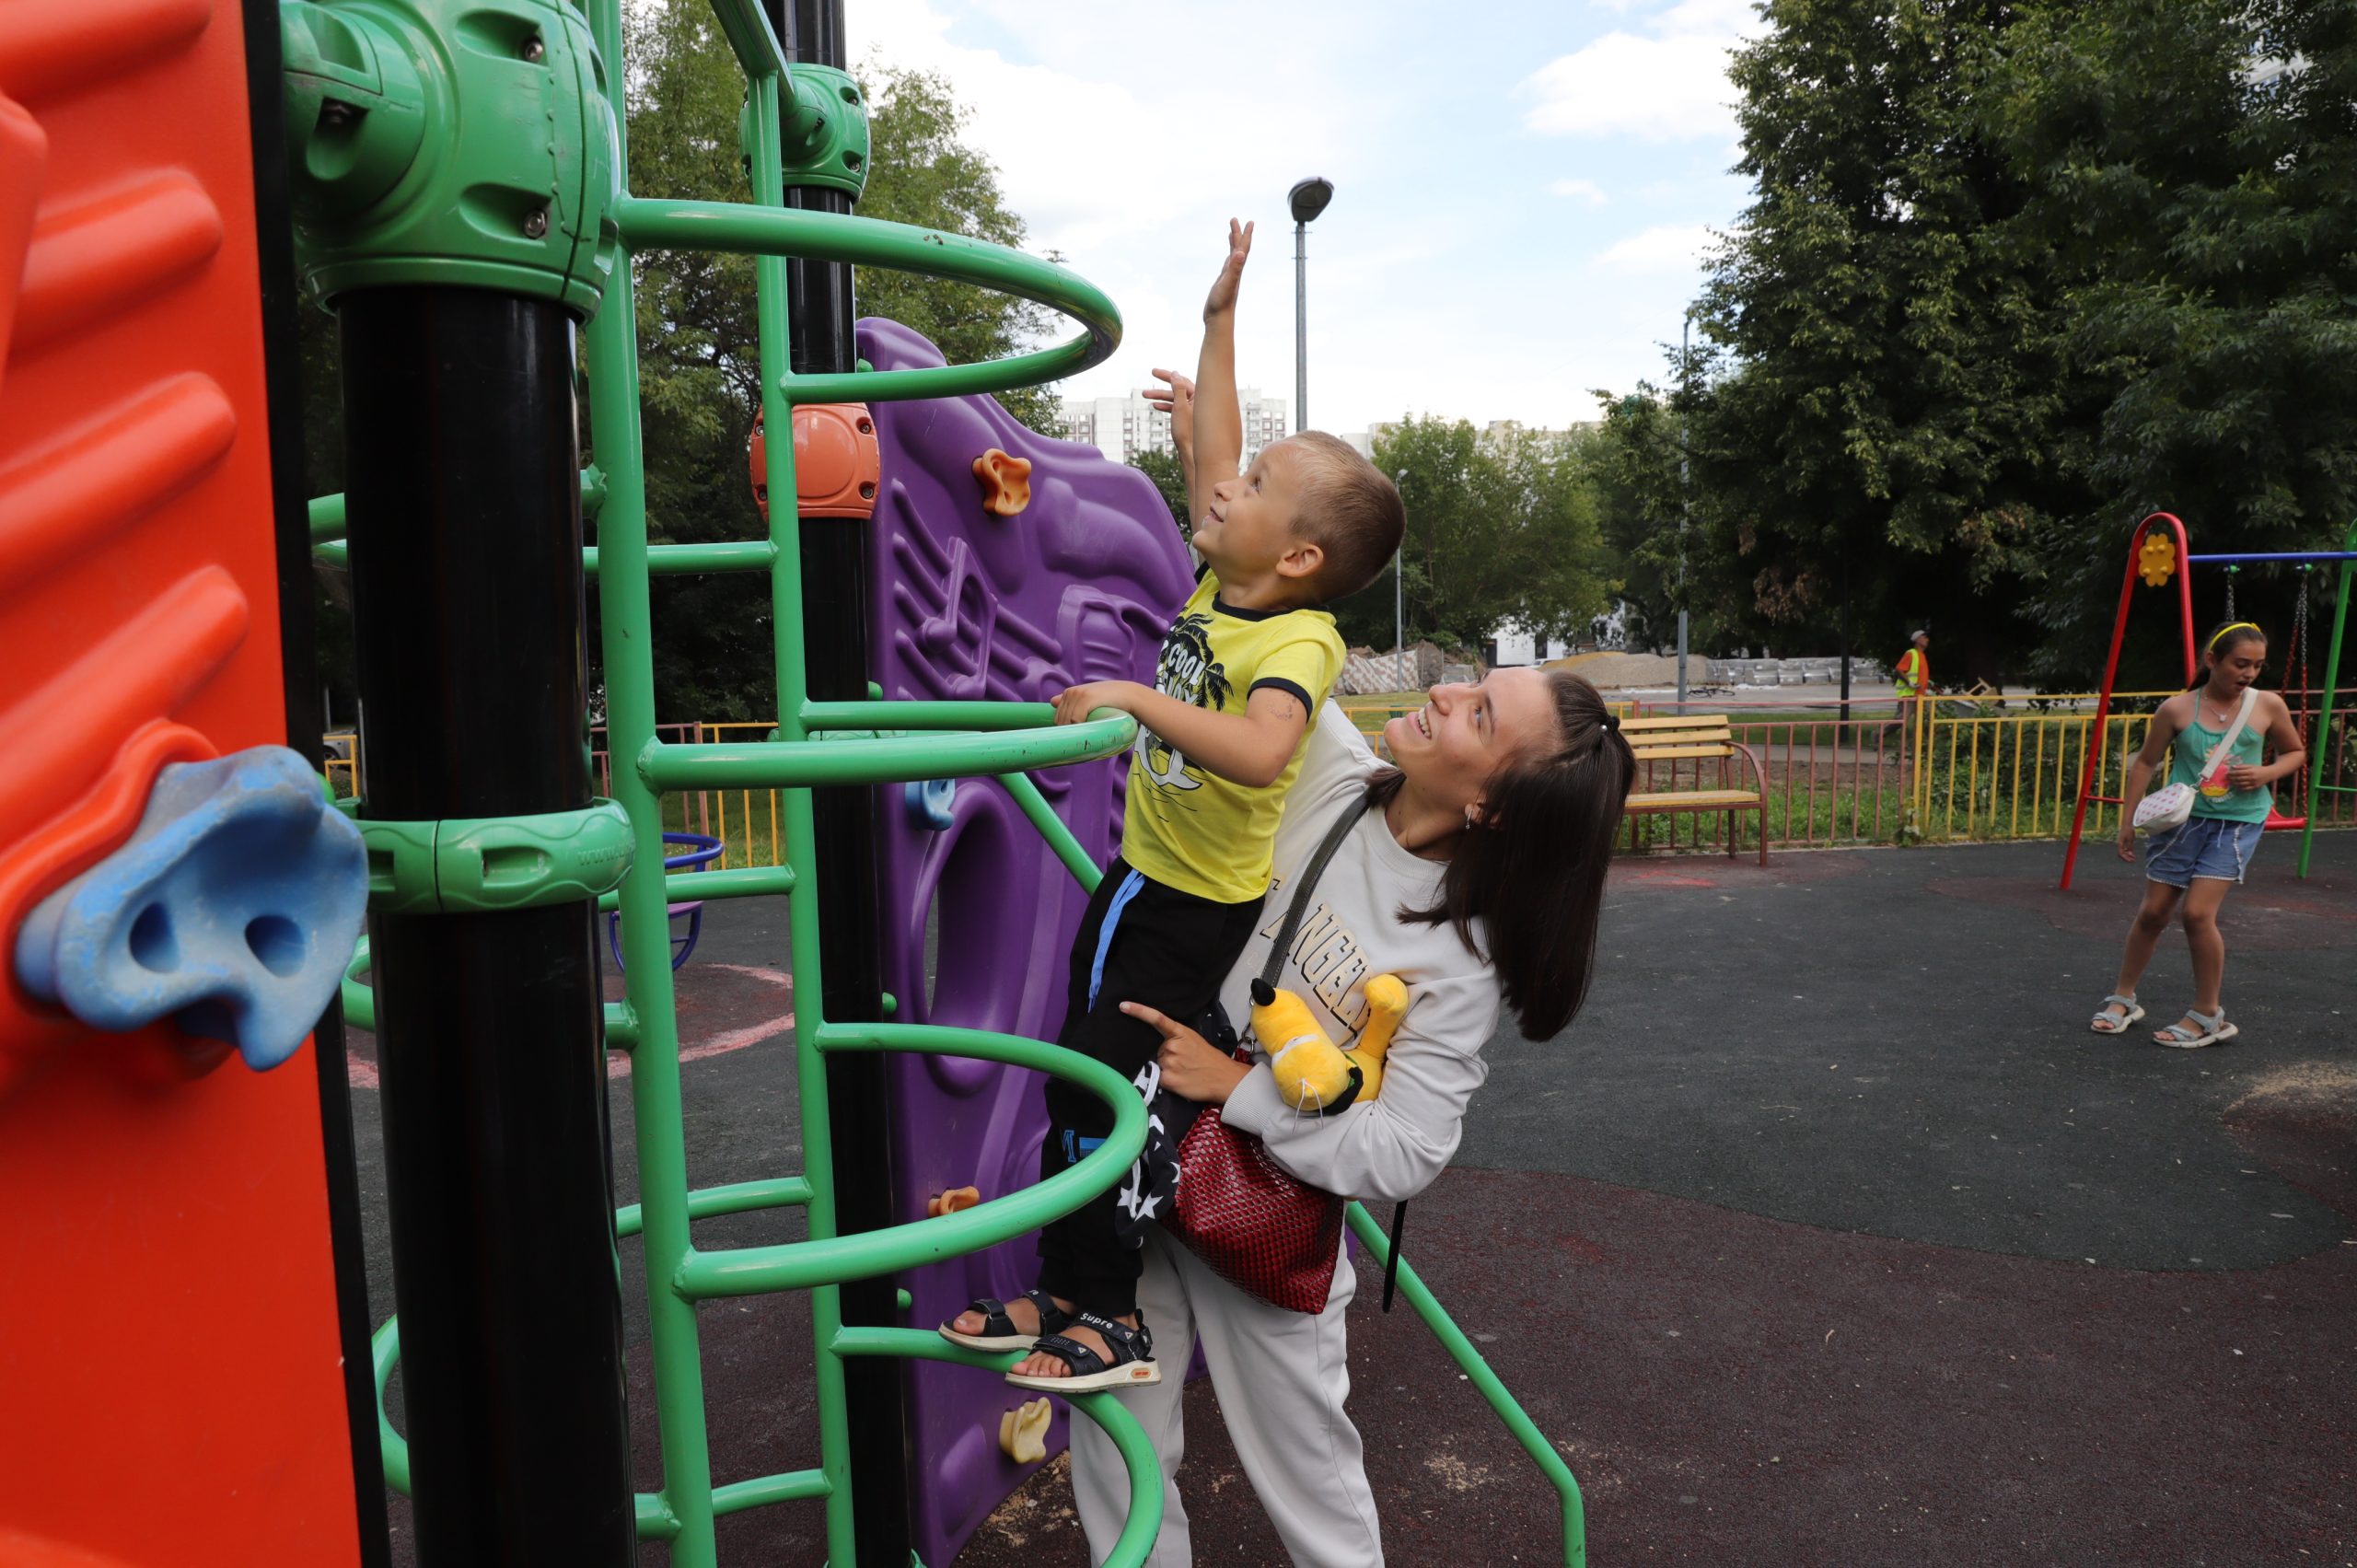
{"x":1389,"y":1148}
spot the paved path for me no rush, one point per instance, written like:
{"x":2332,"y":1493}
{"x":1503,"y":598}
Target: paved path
{"x":1828,"y":1234}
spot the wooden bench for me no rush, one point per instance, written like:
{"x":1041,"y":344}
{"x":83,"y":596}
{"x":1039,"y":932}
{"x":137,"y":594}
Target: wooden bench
{"x":1696,"y":738}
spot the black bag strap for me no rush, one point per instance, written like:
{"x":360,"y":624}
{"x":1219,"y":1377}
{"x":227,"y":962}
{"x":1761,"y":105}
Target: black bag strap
{"x":1391,"y":1263}
{"x":1275,"y":966}
{"x":1308,"y":883}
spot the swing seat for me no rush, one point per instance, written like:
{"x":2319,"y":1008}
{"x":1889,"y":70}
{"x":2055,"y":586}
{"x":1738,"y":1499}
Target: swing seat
{"x":2277,"y":823}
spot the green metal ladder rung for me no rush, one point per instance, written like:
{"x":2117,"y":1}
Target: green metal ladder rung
{"x":736,"y":1198}
{"x":673,"y":766}
{"x":833,"y":1259}
{"x":744,"y":882}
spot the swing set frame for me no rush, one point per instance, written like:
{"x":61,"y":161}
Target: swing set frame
{"x":2178,"y":567}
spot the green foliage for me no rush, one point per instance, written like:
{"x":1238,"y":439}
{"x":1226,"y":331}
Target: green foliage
{"x":1643,"y":503}
{"x":1169,"y":477}
{"x":699,"y":365}
{"x":2194,"y":171}
{"x":2013,"y":274}
{"x":1878,"y":396}
{"x":921,"y":172}
{"x":1501,"y":529}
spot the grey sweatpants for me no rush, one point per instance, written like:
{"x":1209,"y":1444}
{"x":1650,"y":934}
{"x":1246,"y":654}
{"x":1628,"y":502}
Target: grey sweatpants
{"x":1282,"y":1377}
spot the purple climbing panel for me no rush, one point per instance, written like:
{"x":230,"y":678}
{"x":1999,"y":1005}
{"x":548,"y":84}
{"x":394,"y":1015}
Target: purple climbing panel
{"x":1078,"y":587}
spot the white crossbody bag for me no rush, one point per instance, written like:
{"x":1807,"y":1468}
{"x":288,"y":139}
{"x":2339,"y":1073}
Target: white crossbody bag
{"x":2170,"y":806}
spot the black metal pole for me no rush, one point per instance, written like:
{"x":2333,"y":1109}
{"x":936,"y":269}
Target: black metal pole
{"x":307,"y":716}
{"x":835,"y":641}
{"x":1845,"y":633}
{"x":464,"y":514}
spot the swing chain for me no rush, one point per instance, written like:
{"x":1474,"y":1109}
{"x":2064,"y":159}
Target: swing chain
{"x":2231,"y":570}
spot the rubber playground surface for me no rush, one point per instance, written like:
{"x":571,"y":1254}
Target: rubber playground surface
{"x":1828,"y":1234}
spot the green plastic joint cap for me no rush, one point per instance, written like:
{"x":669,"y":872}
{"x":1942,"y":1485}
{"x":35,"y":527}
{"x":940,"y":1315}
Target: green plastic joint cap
{"x":498,"y":862}
{"x":822,"y":134}
{"x":461,"y":142}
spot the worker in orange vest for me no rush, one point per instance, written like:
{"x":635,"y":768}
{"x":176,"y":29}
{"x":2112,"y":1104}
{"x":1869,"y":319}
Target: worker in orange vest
{"x":1913,"y":681}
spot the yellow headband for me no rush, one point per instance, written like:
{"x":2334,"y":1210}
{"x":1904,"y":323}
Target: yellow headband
{"x":2230,"y":626}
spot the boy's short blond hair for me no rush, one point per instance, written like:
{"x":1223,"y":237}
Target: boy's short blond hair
{"x":1350,"y":509}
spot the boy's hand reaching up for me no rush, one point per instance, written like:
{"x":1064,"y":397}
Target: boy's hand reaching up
{"x":1222,"y":298}
{"x":1177,"y":399}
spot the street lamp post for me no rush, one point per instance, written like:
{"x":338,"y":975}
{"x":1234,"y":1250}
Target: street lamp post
{"x":1398,"y":599}
{"x":1686,"y":498}
{"x":1306,"y":199}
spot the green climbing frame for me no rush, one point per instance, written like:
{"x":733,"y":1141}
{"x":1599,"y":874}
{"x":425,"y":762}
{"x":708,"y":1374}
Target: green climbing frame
{"x":928,"y":740}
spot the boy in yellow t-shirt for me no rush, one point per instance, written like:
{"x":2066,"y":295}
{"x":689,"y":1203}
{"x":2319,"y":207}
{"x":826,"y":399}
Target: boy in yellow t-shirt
{"x":1242,"y":671}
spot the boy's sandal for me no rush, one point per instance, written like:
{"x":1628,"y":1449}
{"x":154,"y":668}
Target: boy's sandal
{"x":999,"y":1331}
{"x":2214,"y":1030}
{"x":1131,"y":1365}
{"x":2108,"y":1022}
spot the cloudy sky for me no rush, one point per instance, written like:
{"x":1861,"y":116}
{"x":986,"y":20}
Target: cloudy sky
{"x":1522,"y":190}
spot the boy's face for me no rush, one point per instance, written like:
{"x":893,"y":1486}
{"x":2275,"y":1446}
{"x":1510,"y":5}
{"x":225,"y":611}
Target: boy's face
{"x":1248,"y":526}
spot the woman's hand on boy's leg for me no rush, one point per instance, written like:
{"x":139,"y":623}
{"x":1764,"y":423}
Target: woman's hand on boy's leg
{"x":1222,"y":298}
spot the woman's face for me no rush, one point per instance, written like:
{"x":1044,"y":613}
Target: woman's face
{"x":1449,"y":748}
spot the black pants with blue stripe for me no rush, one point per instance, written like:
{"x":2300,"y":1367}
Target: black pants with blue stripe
{"x":1140,"y":942}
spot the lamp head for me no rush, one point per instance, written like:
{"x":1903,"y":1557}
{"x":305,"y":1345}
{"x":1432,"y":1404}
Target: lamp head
{"x":1310,"y":198}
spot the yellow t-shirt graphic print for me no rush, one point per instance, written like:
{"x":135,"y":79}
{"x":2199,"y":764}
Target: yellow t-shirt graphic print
{"x":1191,"y":830}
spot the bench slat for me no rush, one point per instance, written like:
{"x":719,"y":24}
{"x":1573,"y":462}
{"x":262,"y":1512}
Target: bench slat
{"x":1691,"y":800}
{"x":1677,"y":721}
{"x":1671,"y":753}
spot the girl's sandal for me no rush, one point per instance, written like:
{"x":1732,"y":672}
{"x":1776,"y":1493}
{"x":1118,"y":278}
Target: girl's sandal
{"x":2214,"y":1030}
{"x":999,"y":1332}
{"x":1131,"y":1365}
{"x":2108,"y":1022}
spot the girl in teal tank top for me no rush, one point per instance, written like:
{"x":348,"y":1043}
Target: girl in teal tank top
{"x":2217,"y":798}
{"x":2189,"y":868}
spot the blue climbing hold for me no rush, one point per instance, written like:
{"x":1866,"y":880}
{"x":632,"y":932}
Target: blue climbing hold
{"x":233,"y":911}
{"x":929,"y":803}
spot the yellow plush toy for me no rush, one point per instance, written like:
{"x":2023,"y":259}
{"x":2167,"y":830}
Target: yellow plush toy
{"x":1313,"y":1073}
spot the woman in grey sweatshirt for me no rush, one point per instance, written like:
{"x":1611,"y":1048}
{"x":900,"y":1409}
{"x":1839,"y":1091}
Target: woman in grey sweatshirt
{"x":1477,"y":883}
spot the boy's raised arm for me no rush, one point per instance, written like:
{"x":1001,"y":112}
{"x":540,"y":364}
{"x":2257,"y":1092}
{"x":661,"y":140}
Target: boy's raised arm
{"x":1219,"y":421}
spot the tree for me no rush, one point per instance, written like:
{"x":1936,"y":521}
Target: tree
{"x":2193,"y":164}
{"x":1501,"y":529}
{"x":699,"y":367}
{"x":1885,"y":398}
{"x":1645,"y":500}
{"x":1170,"y":478}
{"x":698,"y":331}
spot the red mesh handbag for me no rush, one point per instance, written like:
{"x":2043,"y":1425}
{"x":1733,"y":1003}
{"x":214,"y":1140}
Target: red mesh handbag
{"x":1252,"y":1224}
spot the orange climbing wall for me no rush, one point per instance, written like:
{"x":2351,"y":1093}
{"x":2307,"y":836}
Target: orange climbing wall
{"x":169,"y":1384}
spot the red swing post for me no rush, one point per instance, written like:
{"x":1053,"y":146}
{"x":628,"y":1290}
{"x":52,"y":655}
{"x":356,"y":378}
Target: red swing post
{"x":2182,"y":570}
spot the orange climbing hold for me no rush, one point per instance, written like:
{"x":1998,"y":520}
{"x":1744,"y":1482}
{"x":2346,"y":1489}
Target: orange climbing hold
{"x":838,"y":462}
{"x":950,"y":1202}
{"x":1006,"y":483}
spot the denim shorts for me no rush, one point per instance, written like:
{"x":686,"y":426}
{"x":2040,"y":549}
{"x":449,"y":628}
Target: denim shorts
{"x":2205,"y":846}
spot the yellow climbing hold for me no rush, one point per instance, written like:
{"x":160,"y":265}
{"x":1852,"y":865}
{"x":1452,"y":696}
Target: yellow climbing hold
{"x":1022,"y":1432}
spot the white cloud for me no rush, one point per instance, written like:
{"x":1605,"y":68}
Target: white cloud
{"x":1091,"y":149}
{"x":1664,"y":247}
{"x":1667,"y":85}
{"x":1588,"y":189}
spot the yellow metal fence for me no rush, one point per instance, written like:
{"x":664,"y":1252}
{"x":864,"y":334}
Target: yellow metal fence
{"x":1968,"y":769}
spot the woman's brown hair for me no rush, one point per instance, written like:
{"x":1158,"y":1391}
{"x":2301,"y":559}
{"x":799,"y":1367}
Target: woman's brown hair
{"x":1532,"y":871}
